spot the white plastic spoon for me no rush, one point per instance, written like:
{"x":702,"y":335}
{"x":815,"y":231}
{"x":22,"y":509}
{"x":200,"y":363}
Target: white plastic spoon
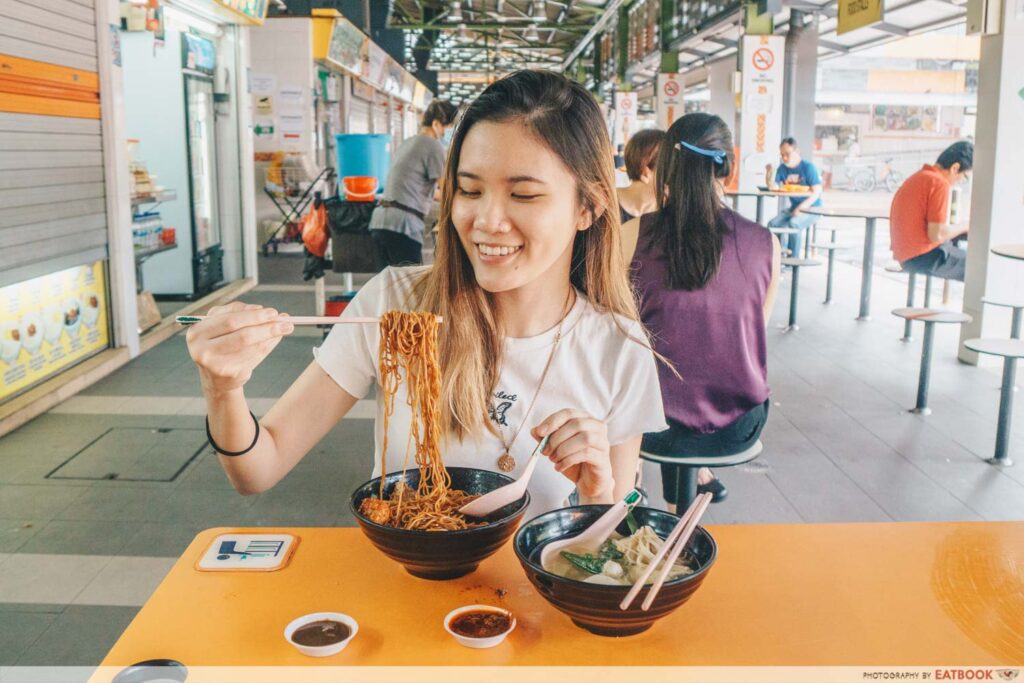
{"x":509,"y":493}
{"x":595,"y":534}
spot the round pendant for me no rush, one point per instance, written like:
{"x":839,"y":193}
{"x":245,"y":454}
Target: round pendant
{"x":506,"y":463}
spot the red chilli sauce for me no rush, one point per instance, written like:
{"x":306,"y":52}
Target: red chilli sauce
{"x":481,"y":623}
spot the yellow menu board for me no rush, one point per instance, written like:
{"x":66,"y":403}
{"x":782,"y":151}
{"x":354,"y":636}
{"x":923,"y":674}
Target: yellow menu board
{"x":51,"y":322}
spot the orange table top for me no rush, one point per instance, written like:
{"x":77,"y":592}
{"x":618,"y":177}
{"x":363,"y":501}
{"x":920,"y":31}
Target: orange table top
{"x":899,"y":594}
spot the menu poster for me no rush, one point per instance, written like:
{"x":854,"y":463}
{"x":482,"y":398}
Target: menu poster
{"x":49,"y":323}
{"x":408,"y":86}
{"x":394,"y":74}
{"x":346,"y":49}
{"x":376,"y":63}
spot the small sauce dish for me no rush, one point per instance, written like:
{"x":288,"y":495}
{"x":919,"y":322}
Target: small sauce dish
{"x":479,"y":626}
{"x":321,"y":634}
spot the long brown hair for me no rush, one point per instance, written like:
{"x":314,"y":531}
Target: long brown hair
{"x":690,"y":222}
{"x":567,"y":119}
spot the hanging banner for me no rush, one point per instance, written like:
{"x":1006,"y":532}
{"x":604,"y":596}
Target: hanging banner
{"x":854,"y":14}
{"x":761,"y":108}
{"x":376,"y":63}
{"x":50,"y":323}
{"x":625,"y":117}
{"x":670,"y":99}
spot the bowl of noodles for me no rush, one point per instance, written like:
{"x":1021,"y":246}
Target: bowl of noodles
{"x":588,"y":584}
{"x":424,"y":532}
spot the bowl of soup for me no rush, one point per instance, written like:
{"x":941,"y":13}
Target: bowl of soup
{"x":10,"y":342}
{"x":588,"y":584}
{"x":438,"y":554}
{"x":31,"y":333}
{"x":321,"y":634}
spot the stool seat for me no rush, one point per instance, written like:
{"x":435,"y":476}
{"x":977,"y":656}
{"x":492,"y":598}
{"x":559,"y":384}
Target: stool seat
{"x":1014,"y":251}
{"x":800,"y":262}
{"x":785,"y":231}
{"x":932,"y":315}
{"x":1007,"y":348}
{"x":829,"y":245}
{"x":894,"y":268}
{"x":1007,"y":302}
{"x":707,"y":461}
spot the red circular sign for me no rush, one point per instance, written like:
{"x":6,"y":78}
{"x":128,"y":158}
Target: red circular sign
{"x":671,"y":88}
{"x":763,"y":58}
{"x":627,"y":103}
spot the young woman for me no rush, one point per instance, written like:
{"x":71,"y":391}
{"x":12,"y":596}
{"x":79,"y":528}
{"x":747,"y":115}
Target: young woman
{"x":540,"y":334}
{"x":707,"y":279}
{"x":397,"y":224}
{"x":638,"y":198}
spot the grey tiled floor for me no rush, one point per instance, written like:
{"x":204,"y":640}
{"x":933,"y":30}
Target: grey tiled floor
{"x":839,"y":446}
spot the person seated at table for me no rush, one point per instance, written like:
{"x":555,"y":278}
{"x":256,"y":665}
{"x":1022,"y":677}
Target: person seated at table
{"x":540,"y":335}
{"x":641,"y":156}
{"x":922,"y":236}
{"x":794,"y":170}
{"x":706,"y":279}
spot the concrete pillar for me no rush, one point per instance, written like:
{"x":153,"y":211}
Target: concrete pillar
{"x":723,"y":99}
{"x":997,"y":201}
{"x":800,"y":80}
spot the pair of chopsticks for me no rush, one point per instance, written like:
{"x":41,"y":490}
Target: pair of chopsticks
{"x":295,"y":320}
{"x":670,"y":552}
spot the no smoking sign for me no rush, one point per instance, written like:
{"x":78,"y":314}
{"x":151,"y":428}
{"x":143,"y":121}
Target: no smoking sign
{"x":671,"y":88}
{"x":763,"y":59}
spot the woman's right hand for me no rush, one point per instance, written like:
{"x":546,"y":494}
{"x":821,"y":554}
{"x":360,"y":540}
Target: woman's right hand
{"x":232,"y":340}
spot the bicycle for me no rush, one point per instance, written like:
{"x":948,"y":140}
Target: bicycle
{"x":866,"y":179}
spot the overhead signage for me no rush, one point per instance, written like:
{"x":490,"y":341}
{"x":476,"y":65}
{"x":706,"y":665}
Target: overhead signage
{"x":408,"y":91}
{"x":669,"y":99}
{"x":49,"y":323}
{"x":347,"y":46}
{"x":376,"y":63}
{"x":854,"y":14}
{"x":252,"y":11}
{"x":761,"y":110}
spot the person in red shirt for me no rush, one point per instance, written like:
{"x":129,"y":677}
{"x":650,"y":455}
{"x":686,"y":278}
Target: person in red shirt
{"x":919,"y":224}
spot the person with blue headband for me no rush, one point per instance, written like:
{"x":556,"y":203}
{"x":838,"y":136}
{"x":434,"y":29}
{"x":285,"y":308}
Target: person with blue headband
{"x":706,"y":278}
{"x":795,"y":171}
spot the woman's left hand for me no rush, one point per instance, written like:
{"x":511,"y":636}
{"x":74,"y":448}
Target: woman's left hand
{"x":580,"y":451}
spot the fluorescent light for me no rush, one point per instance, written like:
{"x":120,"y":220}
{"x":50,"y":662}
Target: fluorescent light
{"x":456,"y":13}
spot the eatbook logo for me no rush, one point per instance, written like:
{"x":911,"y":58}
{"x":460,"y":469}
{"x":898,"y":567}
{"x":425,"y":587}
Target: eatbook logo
{"x":1008,"y":674}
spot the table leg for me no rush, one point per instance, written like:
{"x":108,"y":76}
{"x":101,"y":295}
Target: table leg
{"x":736,"y":203}
{"x":1005,"y":415}
{"x":911,"y":287}
{"x":926,"y":366}
{"x":686,"y":487}
{"x":794,"y":292}
{"x":1015,"y":324}
{"x":865,"y":278}
{"x":760,"y":210}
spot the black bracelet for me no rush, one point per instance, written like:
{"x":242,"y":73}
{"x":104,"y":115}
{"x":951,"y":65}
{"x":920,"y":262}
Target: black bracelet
{"x":231,"y":454}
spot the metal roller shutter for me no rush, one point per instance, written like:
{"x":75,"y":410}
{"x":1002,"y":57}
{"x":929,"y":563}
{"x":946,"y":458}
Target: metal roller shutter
{"x":52,"y":207}
{"x":380,"y":116}
{"x":359,"y":116}
{"x":397,"y":129}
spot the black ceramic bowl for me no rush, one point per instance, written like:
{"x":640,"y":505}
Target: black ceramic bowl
{"x":442,"y":554}
{"x":596,"y":607}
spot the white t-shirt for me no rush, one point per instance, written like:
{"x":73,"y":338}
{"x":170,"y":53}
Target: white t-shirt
{"x":596,"y":369}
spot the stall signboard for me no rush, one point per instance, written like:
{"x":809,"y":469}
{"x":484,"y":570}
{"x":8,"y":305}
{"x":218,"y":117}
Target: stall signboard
{"x":250,"y":11}
{"x":347,"y":46}
{"x":761,"y":119}
{"x":394,"y":74}
{"x":419,"y":96}
{"x":49,"y":323}
{"x":854,"y":14}
{"x":408,"y":87}
{"x":626,"y":104}
{"x":669,"y":99}
{"x":375,"y":66}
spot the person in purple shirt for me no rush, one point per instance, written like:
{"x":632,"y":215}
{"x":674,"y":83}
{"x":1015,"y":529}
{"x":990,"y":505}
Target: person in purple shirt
{"x":706,"y":279}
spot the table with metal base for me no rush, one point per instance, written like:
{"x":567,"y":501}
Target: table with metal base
{"x":929,"y":317}
{"x":870,"y":222}
{"x":759,"y":195}
{"x":1010,"y":350}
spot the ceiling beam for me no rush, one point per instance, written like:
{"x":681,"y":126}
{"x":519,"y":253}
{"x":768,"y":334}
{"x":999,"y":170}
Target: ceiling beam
{"x":610,"y":10}
{"x":835,"y":47}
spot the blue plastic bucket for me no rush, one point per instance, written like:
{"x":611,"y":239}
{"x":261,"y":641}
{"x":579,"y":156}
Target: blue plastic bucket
{"x":363,"y":155}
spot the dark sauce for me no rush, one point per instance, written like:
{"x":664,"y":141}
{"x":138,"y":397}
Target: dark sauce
{"x":481,"y":623}
{"x":321,"y":633}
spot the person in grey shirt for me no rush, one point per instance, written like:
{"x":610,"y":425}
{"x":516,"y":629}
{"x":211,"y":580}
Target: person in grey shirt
{"x":397,"y":223}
